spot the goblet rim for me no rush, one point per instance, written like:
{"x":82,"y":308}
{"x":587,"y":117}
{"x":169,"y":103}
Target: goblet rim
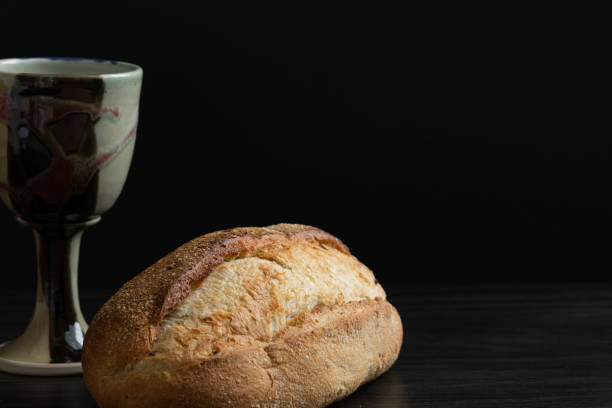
{"x":132,"y":70}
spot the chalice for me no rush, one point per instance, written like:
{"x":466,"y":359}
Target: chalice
{"x":67,"y":134}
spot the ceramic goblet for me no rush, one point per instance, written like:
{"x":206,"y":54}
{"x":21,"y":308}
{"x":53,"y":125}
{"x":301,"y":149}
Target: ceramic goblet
{"x":67,"y":132}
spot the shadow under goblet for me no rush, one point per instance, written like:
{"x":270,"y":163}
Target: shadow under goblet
{"x":67,"y":132}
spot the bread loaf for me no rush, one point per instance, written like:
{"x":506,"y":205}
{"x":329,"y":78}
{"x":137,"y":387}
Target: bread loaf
{"x":281,"y":316}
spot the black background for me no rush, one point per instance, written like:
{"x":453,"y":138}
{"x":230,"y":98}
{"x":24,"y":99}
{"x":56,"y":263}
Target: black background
{"x":443,"y":142}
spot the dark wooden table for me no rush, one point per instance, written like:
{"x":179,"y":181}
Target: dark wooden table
{"x":464,"y":346}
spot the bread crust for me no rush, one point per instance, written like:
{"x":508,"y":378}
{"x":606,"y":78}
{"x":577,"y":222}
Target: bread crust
{"x":323,"y":347}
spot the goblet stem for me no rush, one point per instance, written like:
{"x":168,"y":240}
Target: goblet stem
{"x":57,"y":253}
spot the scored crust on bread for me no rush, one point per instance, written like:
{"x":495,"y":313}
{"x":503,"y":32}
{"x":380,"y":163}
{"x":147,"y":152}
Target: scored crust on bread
{"x":281,"y":316}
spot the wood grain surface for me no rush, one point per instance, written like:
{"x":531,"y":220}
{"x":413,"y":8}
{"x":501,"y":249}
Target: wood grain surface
{"x":464,"y":346}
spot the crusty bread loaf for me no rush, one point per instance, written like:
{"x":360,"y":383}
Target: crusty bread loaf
{"x":281,"y":316}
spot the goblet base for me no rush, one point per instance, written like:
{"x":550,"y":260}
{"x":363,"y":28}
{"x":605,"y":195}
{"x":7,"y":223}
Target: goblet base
{"x":42,"y":369}
{"x":51,"y":343}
